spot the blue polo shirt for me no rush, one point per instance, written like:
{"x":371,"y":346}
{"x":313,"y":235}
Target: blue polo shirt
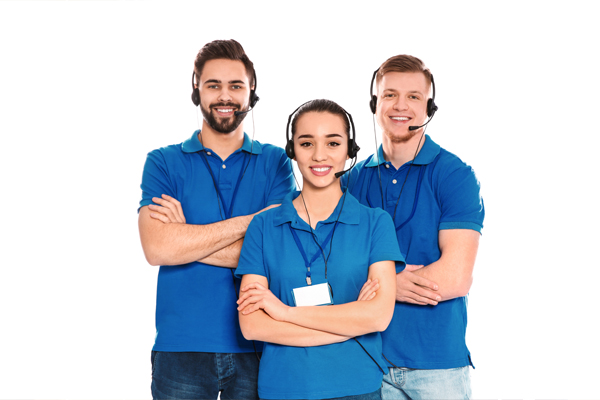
{"x":441,"y":192}
{"x":363,"y":236}
{"x":196,"y":306}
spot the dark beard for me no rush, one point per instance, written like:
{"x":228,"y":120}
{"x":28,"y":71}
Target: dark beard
{"x":227,"y":125}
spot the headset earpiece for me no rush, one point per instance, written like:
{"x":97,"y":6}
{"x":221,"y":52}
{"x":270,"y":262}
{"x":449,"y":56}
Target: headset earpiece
{"x":289,"y":149}
{"x":373,"y":102}
{"x":195,"y":91}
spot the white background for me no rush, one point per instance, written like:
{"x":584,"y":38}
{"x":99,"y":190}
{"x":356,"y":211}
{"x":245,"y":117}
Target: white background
{"x":88,"y":88}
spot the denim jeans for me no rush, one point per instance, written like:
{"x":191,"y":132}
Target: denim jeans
{"x":204,"y":375}
{"x":376,"y":395}
{"x":427,"y":384}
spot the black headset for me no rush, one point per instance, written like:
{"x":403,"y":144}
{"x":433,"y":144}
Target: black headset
{"x":352,"y":146}
{"x":431,"y":107}
{"x":196,"y":92}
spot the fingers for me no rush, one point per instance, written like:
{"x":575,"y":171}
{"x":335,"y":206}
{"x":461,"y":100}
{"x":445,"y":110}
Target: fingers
{"x":253,"y":285}
{"x":411,"y":288}
{"x":169,"y":207}
{"x":369,"y":290}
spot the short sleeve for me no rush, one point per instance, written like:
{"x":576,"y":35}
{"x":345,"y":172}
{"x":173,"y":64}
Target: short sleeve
{"x":384,"y":243}
{"x":155,"y":178}
{"x":283,"y":182}
{"x":460,"y":201}
{"x":251,"y":257}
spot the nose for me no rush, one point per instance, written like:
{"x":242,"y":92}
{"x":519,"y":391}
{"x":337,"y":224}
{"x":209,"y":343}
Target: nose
{"x":400,"y":104}
{"x":320,"y":153}
{"x":224,"y":95}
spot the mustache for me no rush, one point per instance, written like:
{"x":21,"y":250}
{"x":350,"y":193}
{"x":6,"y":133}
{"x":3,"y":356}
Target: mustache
{"x":232,"y":105}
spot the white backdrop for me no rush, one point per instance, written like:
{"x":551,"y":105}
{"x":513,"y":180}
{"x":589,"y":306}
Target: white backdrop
{"x":88,"y":88}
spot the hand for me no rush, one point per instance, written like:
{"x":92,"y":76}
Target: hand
{"x":369,"y":290}
{"x":411,"y":288}
{"x":169,"y":210}
{"x":255,"y":297}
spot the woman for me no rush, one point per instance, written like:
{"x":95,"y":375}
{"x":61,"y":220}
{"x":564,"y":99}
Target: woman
{"x":320,"y":241}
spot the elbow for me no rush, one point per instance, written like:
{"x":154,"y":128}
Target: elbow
{"x":152,"y":257}
{"x":248,"y":330}
{"x":465,"y":286}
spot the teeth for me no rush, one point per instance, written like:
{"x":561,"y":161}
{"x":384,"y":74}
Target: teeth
{"x":322,"y":169}
{"x":400,"y":118}
{"x":224,"y":110}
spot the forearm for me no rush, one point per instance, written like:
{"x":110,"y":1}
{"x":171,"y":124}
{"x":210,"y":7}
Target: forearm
{"x":355,"y":318}
{"x":260,"y":326}
{"x":227,"y":257}
{"x":452,"y":280}
{"x":175,"y":244}
{"x":453,"y":272}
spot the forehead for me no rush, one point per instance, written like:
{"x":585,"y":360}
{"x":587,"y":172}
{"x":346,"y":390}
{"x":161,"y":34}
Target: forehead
{"x":320,"y":123}
{"x":404,"y":82}
{"x":224,"y":70}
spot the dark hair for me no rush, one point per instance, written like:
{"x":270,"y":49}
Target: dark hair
{"x":403,"y":63}
{"x":223,"y":49}
{"x":321,"y":105}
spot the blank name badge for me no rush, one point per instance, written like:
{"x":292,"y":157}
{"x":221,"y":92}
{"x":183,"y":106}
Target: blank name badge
{"x":314,"y":295}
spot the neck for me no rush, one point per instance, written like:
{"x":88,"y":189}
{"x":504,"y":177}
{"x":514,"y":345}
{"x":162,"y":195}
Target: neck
{"x":223,"y":144}
{"x":399,"y":153}
{"x":320,"y":203}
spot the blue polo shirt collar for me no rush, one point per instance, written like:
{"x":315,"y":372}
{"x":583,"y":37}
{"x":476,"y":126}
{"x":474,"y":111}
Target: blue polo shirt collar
{"x":287,"y":212}
{"x":428,"y":153}
{"x":193,"y":145}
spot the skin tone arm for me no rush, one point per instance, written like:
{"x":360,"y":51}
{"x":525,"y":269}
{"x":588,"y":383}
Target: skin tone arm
{"x":261,"y":326}
{"x":449,"y":277}
{"x":168,"y":240}
{"x":350,"y":319}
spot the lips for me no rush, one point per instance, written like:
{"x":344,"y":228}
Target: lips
{"x":225,"y":110}
{"x":320,"y":170}
{"x":400,"y":119}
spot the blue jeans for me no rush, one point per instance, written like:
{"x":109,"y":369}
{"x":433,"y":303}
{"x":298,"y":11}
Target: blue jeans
{"x":204,"y":375}
{"x":376,"y":395}
{"x":427,"y":384}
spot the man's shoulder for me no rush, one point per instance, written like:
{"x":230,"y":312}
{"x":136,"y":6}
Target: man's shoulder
{"x":448,"y":162}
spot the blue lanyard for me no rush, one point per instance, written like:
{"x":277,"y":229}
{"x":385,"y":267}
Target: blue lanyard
{"x":306,"y":262}
{"x":228,"y":210}
{"x":416,"y":200}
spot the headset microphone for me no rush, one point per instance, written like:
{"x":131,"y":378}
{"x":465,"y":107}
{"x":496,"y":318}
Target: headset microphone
{"x":414,"y":128}
{"x":236,"y":113}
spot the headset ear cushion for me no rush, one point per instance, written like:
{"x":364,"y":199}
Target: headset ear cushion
{"x":352,"y":148}
{"x":289,"y":149}
{"x":253,"y":98}
{"x":373,"y":104}
{"x":196,"y":97}
{"x":431,"y":108}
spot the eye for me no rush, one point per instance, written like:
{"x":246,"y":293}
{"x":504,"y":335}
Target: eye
{"x":388,"y":95}
{"x":334,"y":144}
{"x":235,"y":87}
{"x":305,"y":144}
{"x":213,"y":86}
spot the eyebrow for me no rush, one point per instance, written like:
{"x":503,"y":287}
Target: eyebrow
{"x":230,"y":82}
{"x":327,"y":136}
{"x":396,"y":91}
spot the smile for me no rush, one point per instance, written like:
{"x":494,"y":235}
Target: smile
{"x":400,"y":118}
{"x":323,"y":169}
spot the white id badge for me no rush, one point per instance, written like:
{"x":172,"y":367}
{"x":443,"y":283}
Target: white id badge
{"x":314,"y":295}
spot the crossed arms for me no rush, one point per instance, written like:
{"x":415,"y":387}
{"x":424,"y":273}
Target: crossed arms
{"x":168,"y":240}
{"x":447,"y":278}
{"x":264,"y":317}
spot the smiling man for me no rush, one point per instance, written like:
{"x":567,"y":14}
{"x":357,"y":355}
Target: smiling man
{"x":198,"y":198}
{"x":434,"y":200}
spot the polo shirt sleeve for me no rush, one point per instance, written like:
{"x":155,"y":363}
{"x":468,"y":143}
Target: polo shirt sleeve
{"x":283,"y":183}
{"x":251,"y":257}
{"x":155,"y":178}
{"x":384,"y":243}
{"x":460,"y":201}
